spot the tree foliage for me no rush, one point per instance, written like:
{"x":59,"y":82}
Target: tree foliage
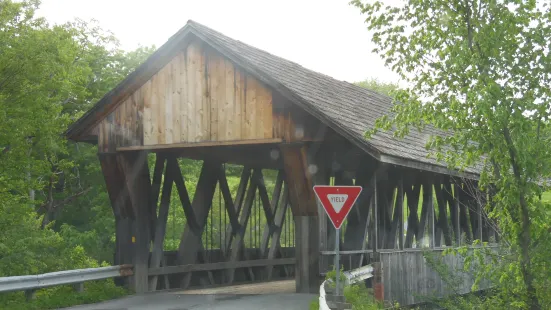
{"x":54,"y":211}
{"x":478,"y":70}
{"x":378,"y":86}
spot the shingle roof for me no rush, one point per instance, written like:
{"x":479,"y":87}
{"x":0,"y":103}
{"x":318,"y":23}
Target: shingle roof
{"x":351,"y":108}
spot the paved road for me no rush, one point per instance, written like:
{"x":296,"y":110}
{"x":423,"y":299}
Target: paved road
{"x":246,"y":297}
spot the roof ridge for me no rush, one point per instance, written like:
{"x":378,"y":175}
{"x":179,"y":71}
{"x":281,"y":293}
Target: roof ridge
{"x":195,"y":23}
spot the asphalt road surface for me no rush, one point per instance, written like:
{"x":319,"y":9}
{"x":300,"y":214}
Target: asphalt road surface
{"x":260,"y":296}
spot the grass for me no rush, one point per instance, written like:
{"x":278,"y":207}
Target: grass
{"x":63,"y":296}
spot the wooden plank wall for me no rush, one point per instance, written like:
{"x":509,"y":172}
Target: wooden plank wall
{"x":124,"y":126}
{"x":198,"y":96}
{"x":409,"y":279}
{"x":201,"y":96}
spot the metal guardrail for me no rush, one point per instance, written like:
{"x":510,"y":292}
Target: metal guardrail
{"x":34,"y":282}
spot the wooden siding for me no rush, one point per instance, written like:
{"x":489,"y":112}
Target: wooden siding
{"x":123,"y":127}
{"x":409,"y":279}
{"x":200,"y":96}
{"x":291,"y":123}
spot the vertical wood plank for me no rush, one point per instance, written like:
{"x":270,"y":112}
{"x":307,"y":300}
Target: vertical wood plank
{"x":203,"y":95}
{"x":195,"y":83}
{"x":155,"y":108}
{"x":213,"y":64}
{"x":148,"y":112}
{"x":240,"y":108}
{"x":184,"y":97}
{"x":233,"y":114}
{"x":250,"y":131}
{"x":189,"y":120}
{"x":168,"y":103}
{"x":139,"y":113}
{"x":162,"y":81}
{"x":176,"y":98}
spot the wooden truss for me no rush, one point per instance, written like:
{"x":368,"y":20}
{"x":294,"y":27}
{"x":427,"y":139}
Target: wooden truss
{"x":149,"y":199}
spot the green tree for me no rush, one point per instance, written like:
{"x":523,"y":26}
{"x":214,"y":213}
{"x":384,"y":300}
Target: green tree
{"x":378,"y":86}
{"x":479,"y":71}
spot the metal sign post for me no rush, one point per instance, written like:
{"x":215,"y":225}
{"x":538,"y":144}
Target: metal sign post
{"x":337,"y":262}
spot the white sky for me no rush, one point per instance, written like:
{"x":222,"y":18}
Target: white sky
{"x":328,"y":36}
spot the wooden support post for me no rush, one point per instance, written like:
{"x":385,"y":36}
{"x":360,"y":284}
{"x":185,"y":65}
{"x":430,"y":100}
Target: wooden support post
{"x":442,"y":216}
{"x":155,"y":189}
{"x":397,"y":220}
{"x":122,"y":211}
{"x":191,"y":243}
{"x":413,"y":220}
{"x":298,"y":178}
{"x":428,"y":197}
{"x":307,"y":254}
{"x":160,"y":227}
{"x":136,"y":174}
{"x":479,"y":211}
{"x":426,"y":215}
{"x":357,"y":221}
{"x":400,"y":215}
{"x":375,"y":225}
{"x":322,"y":178}
{"x":456,"y":213}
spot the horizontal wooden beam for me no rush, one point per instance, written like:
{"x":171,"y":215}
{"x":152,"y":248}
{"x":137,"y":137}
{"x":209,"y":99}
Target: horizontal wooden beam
{"x":221,"y":266}
{"x":155,"y":147}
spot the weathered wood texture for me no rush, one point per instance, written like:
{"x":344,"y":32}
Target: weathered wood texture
{"x":409,"y":279}
{"x":299,"y":178}
{"x":136,"y":175}
{"x":123,"y":126}
{"x":201,"y":96}
{"x":198,"y":96}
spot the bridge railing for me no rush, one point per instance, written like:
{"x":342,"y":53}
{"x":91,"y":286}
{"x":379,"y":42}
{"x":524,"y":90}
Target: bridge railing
{"x":77,"y":277}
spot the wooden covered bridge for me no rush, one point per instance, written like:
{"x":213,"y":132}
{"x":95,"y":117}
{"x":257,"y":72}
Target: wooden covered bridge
{"x":211,"y":98}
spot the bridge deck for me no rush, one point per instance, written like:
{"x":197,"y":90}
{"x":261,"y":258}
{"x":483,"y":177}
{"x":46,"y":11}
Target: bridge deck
{"x":259,"y":296}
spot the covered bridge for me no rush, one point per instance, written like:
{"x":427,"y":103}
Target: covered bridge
{"x":208,"y":97}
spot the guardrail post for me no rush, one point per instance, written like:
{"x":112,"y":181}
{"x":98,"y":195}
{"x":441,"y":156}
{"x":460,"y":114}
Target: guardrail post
{"x":79,"y":287}
{"x":29,"y":294}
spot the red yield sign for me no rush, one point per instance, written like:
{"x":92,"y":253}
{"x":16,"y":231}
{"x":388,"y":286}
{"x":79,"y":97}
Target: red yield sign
{"x":337,"y":201}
